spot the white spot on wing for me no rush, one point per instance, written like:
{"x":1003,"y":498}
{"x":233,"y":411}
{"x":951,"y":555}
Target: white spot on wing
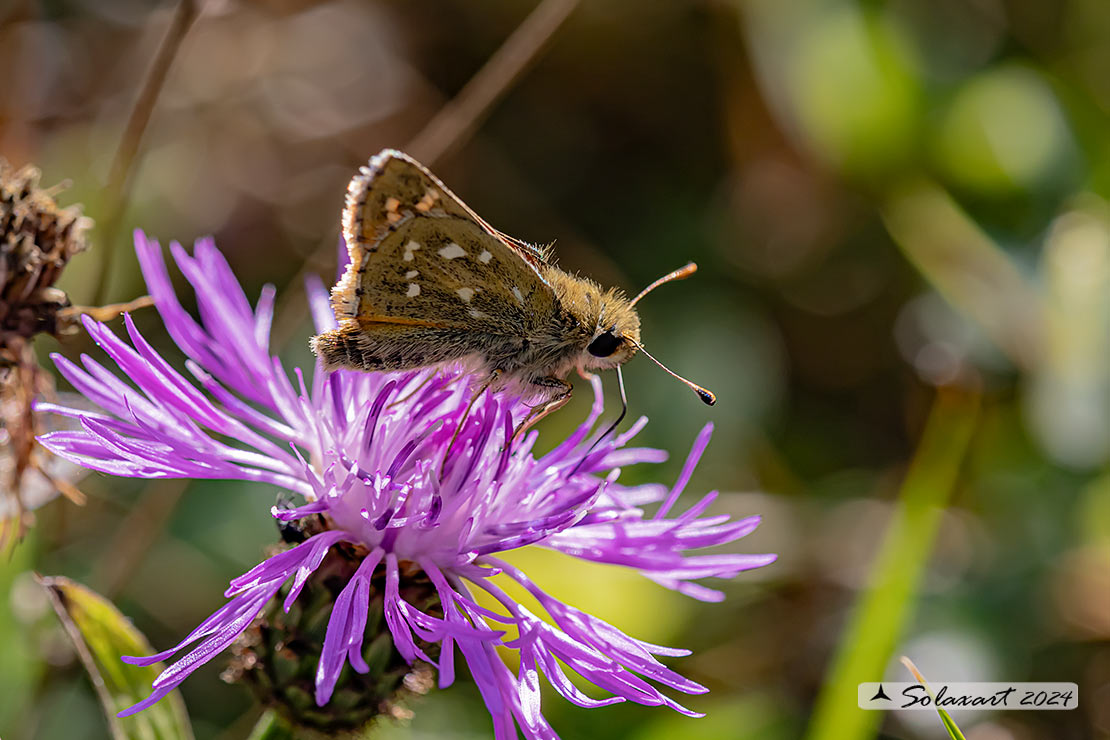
{"x":409,"y":249}
{"x":414,"y":290}
{"x":451,"y":251}
{"x":485,"y":256}
{"x":411,"y":274}
{"x":466,"y":294}
{"x":478,"y":314}
{"x":517,"y":294}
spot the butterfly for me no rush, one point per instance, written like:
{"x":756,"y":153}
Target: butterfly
{"x":431,"y":283}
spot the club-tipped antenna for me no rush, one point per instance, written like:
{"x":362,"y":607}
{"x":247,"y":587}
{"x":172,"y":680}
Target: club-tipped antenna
{"x":613,"y":426}
{"x":706,"y":396}
{"x":679,"y":274}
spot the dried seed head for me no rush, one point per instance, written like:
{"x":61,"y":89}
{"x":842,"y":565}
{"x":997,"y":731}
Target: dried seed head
{"x":37,"y":240}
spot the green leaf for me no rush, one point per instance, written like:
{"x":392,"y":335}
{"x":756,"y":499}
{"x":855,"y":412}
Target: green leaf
{"x":873,"y":629}
{"x":975,"y":275}
{"x":272,"y":726}
{"x":100,"y":635}
{"x":949,"y":723}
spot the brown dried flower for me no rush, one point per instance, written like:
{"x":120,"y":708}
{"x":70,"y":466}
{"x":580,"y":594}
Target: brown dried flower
{"x":37,"y":240}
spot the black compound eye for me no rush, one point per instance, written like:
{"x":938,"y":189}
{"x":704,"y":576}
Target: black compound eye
{"x":604,"y":345}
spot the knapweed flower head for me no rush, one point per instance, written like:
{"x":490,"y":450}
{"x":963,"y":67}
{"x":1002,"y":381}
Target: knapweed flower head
{"x":382,"y":471}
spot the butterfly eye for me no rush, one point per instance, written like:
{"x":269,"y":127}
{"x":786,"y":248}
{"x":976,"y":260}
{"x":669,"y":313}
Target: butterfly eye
{"x":604,"y":345}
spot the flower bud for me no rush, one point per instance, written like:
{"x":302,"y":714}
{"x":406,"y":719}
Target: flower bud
{"x":277,"y":656}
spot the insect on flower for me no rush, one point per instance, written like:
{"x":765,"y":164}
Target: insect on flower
{"x":430,"y":283}
{"x":393,"y":558}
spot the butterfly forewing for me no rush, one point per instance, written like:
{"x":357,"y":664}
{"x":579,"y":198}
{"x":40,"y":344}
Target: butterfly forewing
{"x":448,"y":272}
{"x":429,"y":280}
{"x":390,"y":185}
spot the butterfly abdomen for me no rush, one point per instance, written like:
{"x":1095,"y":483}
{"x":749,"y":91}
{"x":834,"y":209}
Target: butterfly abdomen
{"x":390,"y":347}
{"x":343,"y":347}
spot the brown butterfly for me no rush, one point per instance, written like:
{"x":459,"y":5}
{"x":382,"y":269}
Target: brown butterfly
{"x":431,"y":283}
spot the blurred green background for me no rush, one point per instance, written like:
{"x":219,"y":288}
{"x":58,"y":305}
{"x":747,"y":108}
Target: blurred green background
{"x":885,"y":199}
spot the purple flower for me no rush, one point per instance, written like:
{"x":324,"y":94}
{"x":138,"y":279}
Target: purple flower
{"x":366,"y":450}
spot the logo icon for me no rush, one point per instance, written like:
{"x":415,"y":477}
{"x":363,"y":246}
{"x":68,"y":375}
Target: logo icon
{"x":880,"y":694}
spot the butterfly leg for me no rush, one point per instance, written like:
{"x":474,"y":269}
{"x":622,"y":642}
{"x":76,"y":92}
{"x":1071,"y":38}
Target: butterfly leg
{"x":558,"y":399}
{"x":466,"y":414}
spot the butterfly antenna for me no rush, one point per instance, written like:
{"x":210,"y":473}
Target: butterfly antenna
{"x":614,"y":425}
{"x":706,"y":396}
{"x":679,"y":274}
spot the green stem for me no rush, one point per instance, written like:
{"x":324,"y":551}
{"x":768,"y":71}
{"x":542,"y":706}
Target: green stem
{"x":876,"y":623}
{"x":118,"y":189}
